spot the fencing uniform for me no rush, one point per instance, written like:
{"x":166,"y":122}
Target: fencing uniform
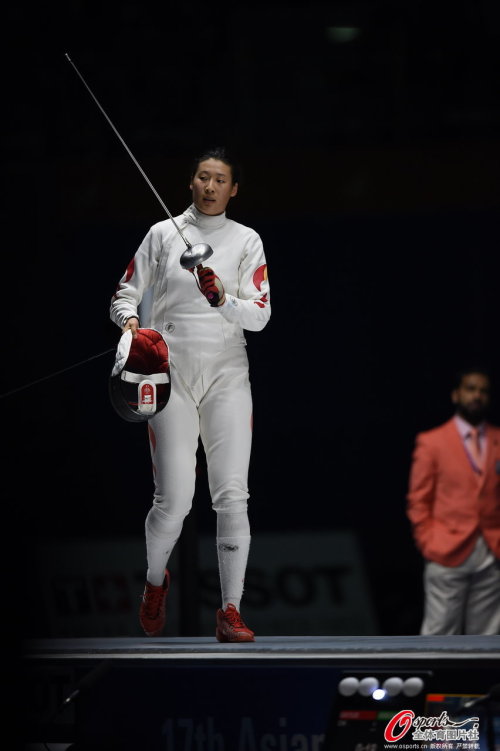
{"x":210,"y":393}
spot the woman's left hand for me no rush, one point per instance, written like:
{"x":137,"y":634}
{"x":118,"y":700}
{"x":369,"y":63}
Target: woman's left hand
{"x":211,"y":286}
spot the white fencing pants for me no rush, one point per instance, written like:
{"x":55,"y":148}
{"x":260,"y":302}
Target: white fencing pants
{"x":217,"y":407}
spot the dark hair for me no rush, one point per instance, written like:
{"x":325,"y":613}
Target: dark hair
{"x":222,"y":154}
{"x":467,"y":370}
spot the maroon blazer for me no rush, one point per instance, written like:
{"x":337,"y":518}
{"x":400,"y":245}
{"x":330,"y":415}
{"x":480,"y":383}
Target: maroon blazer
{"x":448,"y":503}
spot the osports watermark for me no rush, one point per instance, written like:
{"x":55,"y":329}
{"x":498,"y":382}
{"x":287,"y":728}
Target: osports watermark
{"x":440,"y":732}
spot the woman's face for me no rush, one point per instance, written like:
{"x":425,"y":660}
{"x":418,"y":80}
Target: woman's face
{"x":212,"y":186}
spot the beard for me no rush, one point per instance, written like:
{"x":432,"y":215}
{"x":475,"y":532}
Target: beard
{"x":473,"y":413}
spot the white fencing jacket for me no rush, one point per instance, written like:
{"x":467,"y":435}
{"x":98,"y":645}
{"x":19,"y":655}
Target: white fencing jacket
{"x":165,"y":296}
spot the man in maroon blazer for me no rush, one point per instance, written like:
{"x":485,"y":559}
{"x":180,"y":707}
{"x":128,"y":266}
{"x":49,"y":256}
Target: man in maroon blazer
{"x":454,"y":509}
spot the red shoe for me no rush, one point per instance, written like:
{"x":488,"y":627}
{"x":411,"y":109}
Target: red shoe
{"x":152,"y":610}
{"x":230,"y":626}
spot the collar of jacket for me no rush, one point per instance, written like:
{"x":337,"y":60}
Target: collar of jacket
{"x":204,"y":221}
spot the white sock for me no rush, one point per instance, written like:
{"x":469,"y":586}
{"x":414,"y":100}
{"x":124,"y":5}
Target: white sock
{"x":162,"y":533}
{"x":233,"y":545}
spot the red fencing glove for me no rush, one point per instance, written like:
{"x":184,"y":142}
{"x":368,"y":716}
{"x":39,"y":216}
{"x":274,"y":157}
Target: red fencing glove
{"x":211,"y":286}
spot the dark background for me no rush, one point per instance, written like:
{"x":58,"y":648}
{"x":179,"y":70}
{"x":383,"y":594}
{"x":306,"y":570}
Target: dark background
{"x":370,"y":169}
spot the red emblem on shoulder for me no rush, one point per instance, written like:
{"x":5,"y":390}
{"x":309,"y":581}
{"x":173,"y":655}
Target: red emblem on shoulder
{"x":259,"y":276}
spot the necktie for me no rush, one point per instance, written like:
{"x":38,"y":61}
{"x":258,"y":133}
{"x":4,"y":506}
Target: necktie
{"x":475,"y":448}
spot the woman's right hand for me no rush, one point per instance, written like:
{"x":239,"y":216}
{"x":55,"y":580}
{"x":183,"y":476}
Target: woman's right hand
{"x":133,"y":325}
